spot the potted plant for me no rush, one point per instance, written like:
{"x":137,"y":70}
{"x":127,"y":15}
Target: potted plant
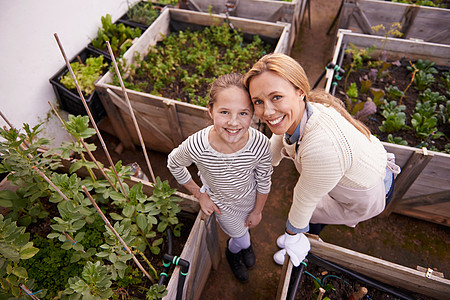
{"x":71,"y":233}
{"x":119,"y":36}
{"x":407,"y":112}
{"x":141,"y":14}
{"x":88,"y":66}
{"x":164,"y":120}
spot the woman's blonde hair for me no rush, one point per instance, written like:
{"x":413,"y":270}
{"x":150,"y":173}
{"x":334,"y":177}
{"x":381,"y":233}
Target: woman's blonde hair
{"x":289,"y":69}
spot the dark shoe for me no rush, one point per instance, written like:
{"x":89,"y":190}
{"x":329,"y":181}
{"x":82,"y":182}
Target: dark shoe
{"x":248,"y":256}
{"x":237,"y":265}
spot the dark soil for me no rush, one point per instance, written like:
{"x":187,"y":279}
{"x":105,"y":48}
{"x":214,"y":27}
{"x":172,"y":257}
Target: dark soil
{"x":400,"y":77}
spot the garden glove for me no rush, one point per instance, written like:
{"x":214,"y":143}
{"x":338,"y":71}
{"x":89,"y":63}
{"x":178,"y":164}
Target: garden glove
{"x":280,"y":241}
{"x":297,"y":246}
{"x":278,"y":257}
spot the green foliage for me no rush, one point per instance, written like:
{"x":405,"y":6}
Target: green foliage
{"x":396,"y":140}
{"x":432,"y":3}
{"x":120,"y":37}
{"x":424,"y":121}
{"x":425,"y":76}
{"x":378,"y":96}
{"x":20,"y":152}
{"x":444,"y":112}
{"x":445,"y":78}
{"x":14,"y":248}
{"x":432,"y":97}
{"x":51,"y":267}
{"x":143,"y":12}
{"x":95,"y":283}
{"x":395,"y":118}
{"x":156,"y":292}
{"x":187,"y":62}
{"x":86,"y":74}
{"x":393,"y":93}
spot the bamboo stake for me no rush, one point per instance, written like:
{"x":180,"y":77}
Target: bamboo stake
{"x":138,"y":131}
{"x":73,"y":138}
{"x":117,"y":235}
{"x":28,"y":292}
{"x":90,"y":114}
{"x":86,"y":148}
{"x":6,"y":120}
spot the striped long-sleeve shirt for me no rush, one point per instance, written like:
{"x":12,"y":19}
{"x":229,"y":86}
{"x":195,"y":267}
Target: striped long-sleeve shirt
{"x":232,"y":179}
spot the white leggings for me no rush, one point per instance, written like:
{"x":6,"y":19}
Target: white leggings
{"x":237,"y":244}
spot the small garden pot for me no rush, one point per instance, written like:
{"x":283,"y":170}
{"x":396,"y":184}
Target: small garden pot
{"x":422,"y":189}
{"x":165,"y":122}
{"x":69,"y":99}
{"x":140,"y":15}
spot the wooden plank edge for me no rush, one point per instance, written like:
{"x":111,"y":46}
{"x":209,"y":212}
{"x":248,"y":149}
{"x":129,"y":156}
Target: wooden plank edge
{"x":381,"y":270}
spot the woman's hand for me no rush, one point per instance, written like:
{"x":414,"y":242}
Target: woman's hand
{"x":253,"y":219}
{"x":207,"y":205}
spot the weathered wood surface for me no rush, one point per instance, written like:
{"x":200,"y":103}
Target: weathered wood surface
{"x":426,"y":175}
{"x":426,"y":23}
{"x":378,"y":269}
{"x":263,"y":10}
{"x":164,"y":122}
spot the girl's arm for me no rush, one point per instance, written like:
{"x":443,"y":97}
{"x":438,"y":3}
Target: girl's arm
{"x":206,"y":204}
{"x":255,"y":216}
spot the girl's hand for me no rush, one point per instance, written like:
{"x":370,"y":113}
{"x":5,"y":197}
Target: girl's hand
{"x":253,"y":219}
{"x":207,"y":205}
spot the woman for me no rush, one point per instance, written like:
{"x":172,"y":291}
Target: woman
{"x":345,"y":174}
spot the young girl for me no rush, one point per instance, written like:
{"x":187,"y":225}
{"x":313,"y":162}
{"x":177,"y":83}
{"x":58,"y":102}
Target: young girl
{"x":235,"y":166}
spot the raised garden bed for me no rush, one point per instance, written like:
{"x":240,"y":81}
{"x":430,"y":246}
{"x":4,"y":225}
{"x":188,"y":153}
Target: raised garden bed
{"x":348,"y":270}
{"x":69,"y":99}
{"x":267,"y":10}
{"x":141,"y":14}
{"x":430,"y":24}
{"x":422,"y":189}
{"x":164,"y":121}
{"x":41,"y":207}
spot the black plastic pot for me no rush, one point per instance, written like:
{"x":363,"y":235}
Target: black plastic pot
{"x":125,"y":20}
{"x":69,"y":100}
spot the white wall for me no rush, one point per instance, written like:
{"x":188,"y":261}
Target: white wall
{"x":30,"y":56}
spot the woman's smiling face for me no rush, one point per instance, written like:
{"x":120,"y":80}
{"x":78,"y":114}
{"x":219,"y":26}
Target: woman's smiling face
{"x":276,"y":102}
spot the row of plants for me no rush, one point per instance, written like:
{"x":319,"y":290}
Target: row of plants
{"x":404,"y":102}
{"x":185,"y":63}
{"x":52,"y":237}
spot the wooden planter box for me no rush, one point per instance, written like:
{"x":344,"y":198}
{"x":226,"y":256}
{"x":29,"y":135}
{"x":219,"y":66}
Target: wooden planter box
{"x":201,"y":248}
{"x":165,"y":122}
{"x":422,"y":189}
{"x":263,"y":10}
{"x":380,"y":270}
{"x":426,"y":23}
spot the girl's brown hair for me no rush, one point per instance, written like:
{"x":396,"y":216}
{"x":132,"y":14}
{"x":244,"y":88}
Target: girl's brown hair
{"x":224,"y":82}
{"x":288,"y":68}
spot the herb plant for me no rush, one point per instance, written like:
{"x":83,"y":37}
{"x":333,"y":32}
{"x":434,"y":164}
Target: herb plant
{"x":395,"y":118}
{"x":143,"y":12}
{"x":86,"y":74}
{"x":119,"y":36}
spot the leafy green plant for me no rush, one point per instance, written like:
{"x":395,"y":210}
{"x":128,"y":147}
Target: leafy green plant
{"x":20,"y":152}
{"x":143,"y":12}
{"x":444,"y":112}
{"x":119,"y":36}
{"x":424,"y":77}
{"x":359,"y":55}
{"x":86,"y":74}
{"x":14,"y":247}
{"x":435,"y":3}
{"x":95,"y":283}
{"x":156,"y":292}
{"x":395,"y":118}
{"x":396,"y":140}
{"x":424,"y":121}
{"x":445,"y":78}
{"x":393,"y":93}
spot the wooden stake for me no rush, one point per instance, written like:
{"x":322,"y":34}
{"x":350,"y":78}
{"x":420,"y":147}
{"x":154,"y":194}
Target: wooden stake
{"x":28,"y":292}
{"x":116,"y":234}
{"x":86,"y":148}
{"x":138,"y":131}
{"x":321,"y":293}
{"x":90,"y":114}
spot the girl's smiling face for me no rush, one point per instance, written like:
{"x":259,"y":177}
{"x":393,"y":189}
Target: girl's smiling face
{"x":276,"y":102}
{"x":232,"y":114}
